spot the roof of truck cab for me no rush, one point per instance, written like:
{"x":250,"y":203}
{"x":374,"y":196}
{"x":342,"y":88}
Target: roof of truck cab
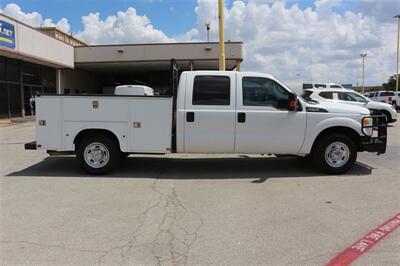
{"x":245,"y":73}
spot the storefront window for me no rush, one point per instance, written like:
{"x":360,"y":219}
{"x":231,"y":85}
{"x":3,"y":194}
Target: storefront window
{"x":3,"y":100}
{"x":2,"y":69}
{"x":14,"y":92}
{"x":31,"y":73}
{"x":12,"y":70}
{"x":14,"y":96}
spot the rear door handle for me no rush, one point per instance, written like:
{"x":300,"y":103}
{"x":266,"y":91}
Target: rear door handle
{"x":241,"y":117}
{"x":189,"y":116}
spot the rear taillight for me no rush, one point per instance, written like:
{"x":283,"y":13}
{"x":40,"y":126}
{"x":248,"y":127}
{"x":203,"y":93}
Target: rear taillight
{"x":390,"y":99}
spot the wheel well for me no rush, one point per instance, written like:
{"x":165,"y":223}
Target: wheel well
{"x":385,"y":112}
{"x":351,"y":133}
{"x":95,"y":131}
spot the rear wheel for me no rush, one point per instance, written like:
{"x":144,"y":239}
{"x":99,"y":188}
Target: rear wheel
{"x":98,"y":154}
{"x":334,"y":153}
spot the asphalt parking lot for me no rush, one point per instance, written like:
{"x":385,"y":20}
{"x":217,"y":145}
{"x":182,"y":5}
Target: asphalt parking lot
{"x":239,"y":210}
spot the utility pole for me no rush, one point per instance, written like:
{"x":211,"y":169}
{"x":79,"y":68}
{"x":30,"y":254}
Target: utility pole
{"x":208,"y":24}
{"x":363,"y":62}
{"x":221,"y":35}
{"x":398,"y":45}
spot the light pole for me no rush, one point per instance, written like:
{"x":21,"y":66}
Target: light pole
{"x":398,"y":44}
{"x":208,"y":24}
{"x":363,"y":62}
{"x":221,"y":35}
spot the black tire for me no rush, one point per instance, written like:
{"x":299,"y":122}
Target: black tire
{"x":325,"y":162}
{"x":394,"y":103}
{"x":110,"y":148}
{"x":388,"y":116}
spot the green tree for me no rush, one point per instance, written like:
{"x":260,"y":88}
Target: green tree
{"x":391,"y":84}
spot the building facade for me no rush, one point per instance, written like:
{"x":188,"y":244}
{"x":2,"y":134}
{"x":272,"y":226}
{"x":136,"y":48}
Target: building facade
{"x":46,"y":60}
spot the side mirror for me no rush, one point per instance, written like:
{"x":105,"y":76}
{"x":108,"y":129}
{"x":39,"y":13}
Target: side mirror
{"x":292,"y":102}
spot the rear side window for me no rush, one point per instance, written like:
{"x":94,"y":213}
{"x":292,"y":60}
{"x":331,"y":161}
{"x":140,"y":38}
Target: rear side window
{"x":387,"y":93}
{"x":326,"y":95}
{"x":307,"y":86}
{"x":320,"y":86}
{"x":336,"y":86}
{"x":211,"y":90}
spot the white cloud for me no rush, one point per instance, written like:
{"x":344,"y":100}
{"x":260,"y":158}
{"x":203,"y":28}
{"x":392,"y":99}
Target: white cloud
{"x":124,"y":27}
{"x":33,"y":19}
{"x":317,"y":43}
{"x":62,"y":24}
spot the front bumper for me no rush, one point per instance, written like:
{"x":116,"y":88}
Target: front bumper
{"x":378,"y":141}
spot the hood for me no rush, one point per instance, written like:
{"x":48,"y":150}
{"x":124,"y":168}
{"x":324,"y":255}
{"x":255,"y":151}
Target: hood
{"x":334,"y":107}
{"x":374,"y":104}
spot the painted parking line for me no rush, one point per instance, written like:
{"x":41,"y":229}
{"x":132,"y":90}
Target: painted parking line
{"x":12,"y":142}
{"x":365,"y":243}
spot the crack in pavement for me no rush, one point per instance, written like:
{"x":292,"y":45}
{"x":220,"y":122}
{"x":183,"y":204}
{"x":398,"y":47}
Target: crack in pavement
{"x":40,"y":245}
{"x":165,"y":234}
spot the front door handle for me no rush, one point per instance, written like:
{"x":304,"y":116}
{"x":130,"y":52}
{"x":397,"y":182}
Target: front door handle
{"x":189,"y":116}
{"x":241,"y":117}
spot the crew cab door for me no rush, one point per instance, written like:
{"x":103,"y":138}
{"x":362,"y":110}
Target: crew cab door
{"x":264,"y":124}
{"x":210,"y":113}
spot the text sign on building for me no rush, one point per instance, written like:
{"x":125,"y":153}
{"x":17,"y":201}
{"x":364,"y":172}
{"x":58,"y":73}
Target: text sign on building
{"x":7,"y":34}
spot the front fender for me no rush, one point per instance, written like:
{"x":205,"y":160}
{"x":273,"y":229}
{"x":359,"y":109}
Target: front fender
{"x":315,"y":126}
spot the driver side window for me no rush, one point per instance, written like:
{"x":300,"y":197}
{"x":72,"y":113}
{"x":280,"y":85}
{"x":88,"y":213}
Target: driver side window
{"x":263,"y":92}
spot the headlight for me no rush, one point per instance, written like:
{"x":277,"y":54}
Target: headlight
{"x":366,"y":125}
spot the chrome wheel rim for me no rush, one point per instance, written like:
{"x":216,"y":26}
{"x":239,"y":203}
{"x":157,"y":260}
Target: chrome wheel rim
{"x":96,"y":155}
{"x":337,"y":154}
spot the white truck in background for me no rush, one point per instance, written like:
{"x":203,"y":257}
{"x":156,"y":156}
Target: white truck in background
{"x":389,"y":97}
{"x":216,"y":112}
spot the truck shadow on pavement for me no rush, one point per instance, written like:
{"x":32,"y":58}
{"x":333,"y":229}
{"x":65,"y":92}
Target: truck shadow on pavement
{"x":258,"y":169}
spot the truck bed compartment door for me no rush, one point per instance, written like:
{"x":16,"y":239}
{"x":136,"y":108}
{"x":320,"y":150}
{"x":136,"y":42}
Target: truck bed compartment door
{"x":210,"y":113}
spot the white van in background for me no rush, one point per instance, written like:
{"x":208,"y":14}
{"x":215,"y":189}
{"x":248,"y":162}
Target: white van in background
{"x":134,"y":90}
{"x":299,"y":86}
{"x":131,"y":90}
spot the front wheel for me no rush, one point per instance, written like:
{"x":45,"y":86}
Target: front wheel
{"x":98,"y":154}
{"x":334,"y":153}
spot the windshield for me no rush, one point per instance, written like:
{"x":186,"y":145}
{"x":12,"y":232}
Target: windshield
{"x":306,"y":95}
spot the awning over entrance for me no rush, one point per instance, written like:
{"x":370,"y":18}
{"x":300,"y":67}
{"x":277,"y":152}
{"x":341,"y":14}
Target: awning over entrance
{"x":155,"y":57}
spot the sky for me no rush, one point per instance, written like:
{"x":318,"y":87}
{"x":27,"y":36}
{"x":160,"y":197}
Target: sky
{"x":318,"y":39}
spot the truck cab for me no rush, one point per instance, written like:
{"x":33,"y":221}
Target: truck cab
{"x":237,"y":112}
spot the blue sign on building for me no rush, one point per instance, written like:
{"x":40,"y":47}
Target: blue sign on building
{"x":7,"y":34}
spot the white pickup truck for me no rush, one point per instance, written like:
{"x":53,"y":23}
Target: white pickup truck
{"x":216,"y":112}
